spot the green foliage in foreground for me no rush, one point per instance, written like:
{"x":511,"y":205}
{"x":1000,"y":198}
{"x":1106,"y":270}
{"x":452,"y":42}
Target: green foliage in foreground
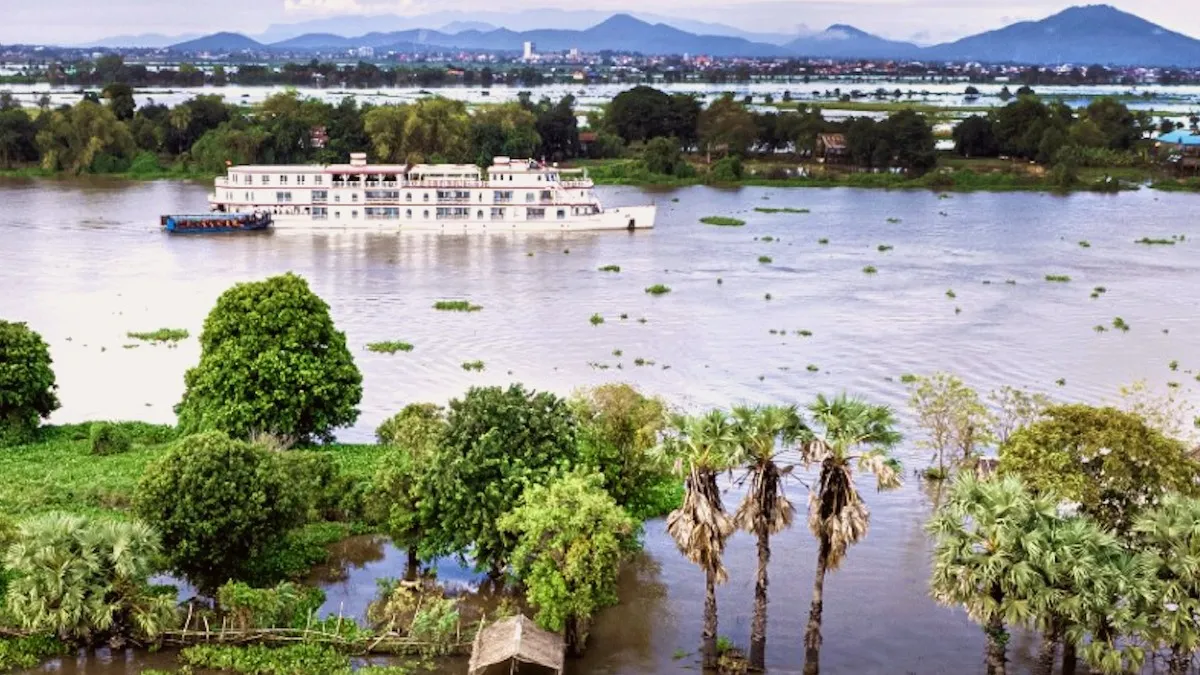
{"x":262,"y":343}
{"x":284,"y":605}
{"x":456,"y":306}
{"x":389,"y":347}
{"x":26,"y":383}
{"x":160,"y":335}
{"x":722,"y":221}
{"x":498,"y":442}
{"x":28,"y":652}
{"x":658,"y":289}
{"x":217,"y":503}
{"x":85,"y":580}
{"x":570,"y":535}
{"x":1108,"y":461}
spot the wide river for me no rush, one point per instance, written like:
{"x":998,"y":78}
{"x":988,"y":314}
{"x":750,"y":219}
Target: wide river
{"x":83,"y":263}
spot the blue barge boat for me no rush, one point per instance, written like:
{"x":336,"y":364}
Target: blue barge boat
{"x":210,"y":223}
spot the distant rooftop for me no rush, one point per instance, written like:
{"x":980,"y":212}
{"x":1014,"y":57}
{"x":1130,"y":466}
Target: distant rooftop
{"x":1181,"y":137}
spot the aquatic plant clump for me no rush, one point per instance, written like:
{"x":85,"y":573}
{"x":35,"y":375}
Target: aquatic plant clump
{"x":389,"y":347}
{"x":160,"y":335}
{"x":786,"y":209}
{"x":473,"y":366}
{"x":611,"y":268}
{"x":722,"y":221}
{"x":658,"y":289}
{"x":870,"y":269}
{"x":765,"y":259}
{"x":1156,"y":242}
{"x":1058,"y":278}
{"x":596,"y":320}
{"x":456,"y":306}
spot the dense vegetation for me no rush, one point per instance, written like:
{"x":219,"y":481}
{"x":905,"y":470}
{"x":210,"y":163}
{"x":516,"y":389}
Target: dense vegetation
{"x":26,"y":383}
{"x":1084,"y":531}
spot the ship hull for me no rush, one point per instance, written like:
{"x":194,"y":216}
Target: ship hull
{"x":630,"y":218}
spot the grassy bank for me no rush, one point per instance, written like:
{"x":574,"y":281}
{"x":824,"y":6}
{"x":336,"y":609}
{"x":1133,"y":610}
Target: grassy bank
{"x":952,"y":175}
{"x":157,"y":173}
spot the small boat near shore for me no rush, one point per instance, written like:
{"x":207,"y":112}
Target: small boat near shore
{"x":214,"y":223}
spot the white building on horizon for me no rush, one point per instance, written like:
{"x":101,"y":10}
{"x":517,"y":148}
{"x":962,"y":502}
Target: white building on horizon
{"x":528,"y":52}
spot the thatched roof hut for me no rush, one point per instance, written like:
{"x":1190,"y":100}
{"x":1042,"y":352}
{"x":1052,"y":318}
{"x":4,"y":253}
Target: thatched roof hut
{"x":516,"y":641}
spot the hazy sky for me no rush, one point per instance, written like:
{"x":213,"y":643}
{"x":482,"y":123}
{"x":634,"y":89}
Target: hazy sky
{"x":76,"y":21}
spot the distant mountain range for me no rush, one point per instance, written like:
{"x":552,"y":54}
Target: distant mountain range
{"x":1079,"y":35}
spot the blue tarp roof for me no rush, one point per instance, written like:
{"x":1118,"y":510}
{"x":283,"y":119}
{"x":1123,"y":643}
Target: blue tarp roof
{"x":1180,"y":137}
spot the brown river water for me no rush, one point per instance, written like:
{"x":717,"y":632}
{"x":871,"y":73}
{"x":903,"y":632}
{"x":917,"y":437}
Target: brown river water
{"x":83,"y":263}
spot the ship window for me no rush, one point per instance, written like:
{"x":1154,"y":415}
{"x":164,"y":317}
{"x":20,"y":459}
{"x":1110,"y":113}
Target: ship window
{"x":479,"y":214}
{"x":408,"y":213}
{"x":266,"y":180}
{"x":299,"y":180}
{"x":562,"y":214}
{"x":283,"y":180}
{"x":317,"y":180}
{"x":408,"y":196}
{"x":529,"y":197}
{"x":426,"y":214}
{"x":425,"y":197}
{"x":354,"y":197}
{"x":354,"y":214}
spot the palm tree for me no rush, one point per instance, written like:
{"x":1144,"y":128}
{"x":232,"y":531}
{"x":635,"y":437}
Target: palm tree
{"x":765,"y":510}
{"x":852,"y":432}
{"x":983,"y":538}
{"x":1170,"y":537}
{"x":701,"y":448}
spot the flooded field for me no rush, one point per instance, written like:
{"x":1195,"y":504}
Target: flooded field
{"x":83,"y":263}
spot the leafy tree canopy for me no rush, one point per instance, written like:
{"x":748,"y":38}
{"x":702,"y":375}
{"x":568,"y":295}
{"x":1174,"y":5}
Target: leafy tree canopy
{"x":271,"y":362}
{"x":26,"y":382}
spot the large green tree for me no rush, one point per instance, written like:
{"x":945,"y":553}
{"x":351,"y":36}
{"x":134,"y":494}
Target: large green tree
{"x":763,"y":433}
{"x":727,"y":127}
{"x":1169,"y":537}
{"x":569,"y":539}
{"x":86,"y":581}
{"x":87,"y":137}
{"x":272,"y":362}
{"x":1107,"y":460}
{"x":498,"y":442}
{"x":18,"y":137}
{"x":846,"y":433}
{"x":27,"y":387}
{"x":217,"y":502}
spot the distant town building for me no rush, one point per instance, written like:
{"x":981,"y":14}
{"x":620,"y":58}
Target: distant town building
{"x":528,"y":53}
{"x":365,"y":52}
{"x":319,"y":137}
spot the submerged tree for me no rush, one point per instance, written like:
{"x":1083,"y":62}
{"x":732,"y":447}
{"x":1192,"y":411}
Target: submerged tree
{"x":86,"y":581}
{"x":955,"y":421}
{"x":762,"y":433}
{"x":848,"y":433}
{"x":570,"y":535}
{"x":27,"y":387}
{"x":701,"y":448}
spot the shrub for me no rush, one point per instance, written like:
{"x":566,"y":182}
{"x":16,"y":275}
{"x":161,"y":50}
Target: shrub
{"x":110,"y":439}
{"x":86,"y":581}
{"x":26,"y":383}
{"x":284,"y":606}
{"x":260,"y":660}
{"x":417,"y":425}
{"x":264,"y":343}
{"x":217,"y":502}
{"x":726,"y":170}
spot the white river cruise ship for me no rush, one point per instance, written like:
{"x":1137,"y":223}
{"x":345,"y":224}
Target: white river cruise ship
{"x":513,"y":195}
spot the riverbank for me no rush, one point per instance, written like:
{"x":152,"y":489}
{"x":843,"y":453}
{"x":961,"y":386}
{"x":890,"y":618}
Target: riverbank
{"x":951,"y":175}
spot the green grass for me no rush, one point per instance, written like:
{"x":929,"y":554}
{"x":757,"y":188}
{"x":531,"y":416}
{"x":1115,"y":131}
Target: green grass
{"x":456,"y":306}
{"x":1058,"y":278}
{"x":764,"y":259}
{"x":596,"y":319}
{"x":476,"y":366}
{"x":611,"y":268}
{"x":786,"y":209}
{"x":389,"y":347}
{"x":658,"y":289}
{"x":160,"y":335}
{"x":722,"y":221}
{"x":870,"y":269}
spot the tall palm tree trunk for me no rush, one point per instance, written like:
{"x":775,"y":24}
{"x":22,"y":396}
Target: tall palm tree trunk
{"x":758,"y":627}
{"x":1048,"y":651}
{"x":1069,"y":658}
{"x":997,"y":640}
{"x":708,"y":642}
{"x":812,"y":633}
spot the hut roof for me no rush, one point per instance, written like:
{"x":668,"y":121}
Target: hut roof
{"x":833,"y":141}
{"x":516,"y":638}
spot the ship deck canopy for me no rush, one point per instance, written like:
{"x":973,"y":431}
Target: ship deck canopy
{"x":513,"y":642}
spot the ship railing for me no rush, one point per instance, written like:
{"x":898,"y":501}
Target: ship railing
{"x":577,"y":184}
